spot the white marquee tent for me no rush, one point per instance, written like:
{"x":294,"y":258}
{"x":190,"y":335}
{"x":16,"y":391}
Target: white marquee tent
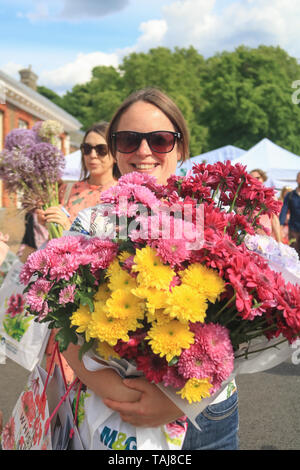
{"x":229,"y":152}
{"x":73,"y":161}
{"x":280,"y":165}
{"x":73,"y":166}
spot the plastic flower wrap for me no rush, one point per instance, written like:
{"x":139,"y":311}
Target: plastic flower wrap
{"x":176,"y":305}
{"x":32,"y":167}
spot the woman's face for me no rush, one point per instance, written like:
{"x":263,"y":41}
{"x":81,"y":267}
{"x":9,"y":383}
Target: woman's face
{"x":257,"y":176}
{"x":95,"y":164}
{"x":145,"y":117}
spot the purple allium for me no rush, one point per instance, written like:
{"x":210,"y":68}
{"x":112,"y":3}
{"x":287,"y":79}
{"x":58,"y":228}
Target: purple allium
{"x":48,"y":162}
{"x":20,"y":138}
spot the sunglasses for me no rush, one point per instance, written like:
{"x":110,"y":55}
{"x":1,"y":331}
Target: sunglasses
{"x":101,"y":149}
{"x":158,"y":141}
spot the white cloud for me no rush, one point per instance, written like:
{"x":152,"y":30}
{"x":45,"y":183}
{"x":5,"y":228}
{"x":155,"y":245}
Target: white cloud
{"x":209,"y":25}
{"x":78,"y":71}
{"x":12,"y":69}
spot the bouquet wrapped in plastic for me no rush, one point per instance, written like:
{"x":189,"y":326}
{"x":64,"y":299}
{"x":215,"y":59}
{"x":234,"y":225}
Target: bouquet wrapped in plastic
{"x":169,"y":284}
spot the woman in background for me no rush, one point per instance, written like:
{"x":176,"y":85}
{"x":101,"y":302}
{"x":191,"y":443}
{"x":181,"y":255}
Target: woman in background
{"x":272,"y":224}
{"x":99,"y":172}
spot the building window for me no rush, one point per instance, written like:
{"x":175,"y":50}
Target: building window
{"x":22,"y":124}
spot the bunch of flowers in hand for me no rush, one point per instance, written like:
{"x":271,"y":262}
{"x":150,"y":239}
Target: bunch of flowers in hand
{"x":176,"y":291}
{"x":32,"y":166}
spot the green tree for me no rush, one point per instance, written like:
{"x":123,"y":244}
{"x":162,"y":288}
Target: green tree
{"x":248,"y":94}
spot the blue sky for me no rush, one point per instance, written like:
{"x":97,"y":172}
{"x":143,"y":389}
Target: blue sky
{"x":64,"y":39}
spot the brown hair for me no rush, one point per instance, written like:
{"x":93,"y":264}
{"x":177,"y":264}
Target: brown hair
{"x":261,"y":173}
{"x":100,"y":128}
{"x":165,"y":104}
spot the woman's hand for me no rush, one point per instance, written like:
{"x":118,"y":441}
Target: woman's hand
{"x":153,"y":409}
{"x":53,"y":214}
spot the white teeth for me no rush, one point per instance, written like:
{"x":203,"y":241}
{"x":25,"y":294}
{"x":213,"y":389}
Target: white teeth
{"x":145,"y":166}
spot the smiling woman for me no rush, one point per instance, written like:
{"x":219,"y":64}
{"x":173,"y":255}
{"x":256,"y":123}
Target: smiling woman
{"x":151,"y":145}
{"x":132,"y":139}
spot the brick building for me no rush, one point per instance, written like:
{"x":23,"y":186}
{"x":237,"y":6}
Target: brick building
{"x":21,"y":106}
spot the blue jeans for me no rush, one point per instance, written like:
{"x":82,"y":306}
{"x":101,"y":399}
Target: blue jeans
{"x":219,"y":427}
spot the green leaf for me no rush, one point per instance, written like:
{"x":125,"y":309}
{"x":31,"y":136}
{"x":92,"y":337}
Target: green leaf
{"x":65,"y":336}
{"x":86,"y":347}
{"x":86,"y":300}
{"x":173,"y":361}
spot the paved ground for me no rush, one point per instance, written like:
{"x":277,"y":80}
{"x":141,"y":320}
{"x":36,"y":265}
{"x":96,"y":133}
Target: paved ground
{"x":12,"y":223}
{"x":269,"y":405}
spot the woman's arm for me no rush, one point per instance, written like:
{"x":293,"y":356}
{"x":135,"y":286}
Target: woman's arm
{"x":153,"y":409}
{"x":106,"y":383}
{"x":276,"y":227}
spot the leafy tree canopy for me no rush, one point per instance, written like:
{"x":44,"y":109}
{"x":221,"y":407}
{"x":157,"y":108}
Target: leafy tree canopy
{"x":233,"y":98}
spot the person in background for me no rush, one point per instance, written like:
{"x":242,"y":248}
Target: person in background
{"x":272,"y":224}
{"x":284,"y":228}
{"x":148,"y":134}
{"x":99,"y":172}
{"x":291,"y":204}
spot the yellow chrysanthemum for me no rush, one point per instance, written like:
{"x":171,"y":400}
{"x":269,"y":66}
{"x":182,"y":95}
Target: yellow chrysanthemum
{"x":159,"y":316}
{"x":204,"y":279}
{"x":196,"y":389}
{"x":123,"y":256}
{"x":107,"y":329}
{"x":106,"y":351}
{"x":82,"y":318}
{"x":154,"y":298}
{"x":152,"y":272}
{"x":118,"y":278}
{"x":170,"y":338}
{"x":186,"y":304}
{"x":102,"y":294}
{"x":124,"y":305}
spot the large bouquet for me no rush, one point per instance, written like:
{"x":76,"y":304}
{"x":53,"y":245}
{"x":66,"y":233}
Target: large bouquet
{"x":171,"y":286}
{"x":31,"y":166}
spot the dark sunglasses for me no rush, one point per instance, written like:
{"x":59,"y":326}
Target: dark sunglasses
{"x":101,"y":149}
{"x":158,"y":141}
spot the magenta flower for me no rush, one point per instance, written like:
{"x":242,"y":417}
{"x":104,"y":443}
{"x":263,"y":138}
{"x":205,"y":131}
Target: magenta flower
{"x":36,"y":296}
{"x":66,"y":295}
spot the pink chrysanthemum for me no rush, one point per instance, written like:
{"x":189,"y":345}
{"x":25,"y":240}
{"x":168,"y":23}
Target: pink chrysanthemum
{"x":68,"y":244}
{"x":66,"y":295}
{"x":173,"y":251}
{"x":173,"y":379}
{"x":194,"y":363}
{"x":63,"y":266}
{"x":39,"y":261}
{"x":214,"y":339}
{"x":37,"y":294}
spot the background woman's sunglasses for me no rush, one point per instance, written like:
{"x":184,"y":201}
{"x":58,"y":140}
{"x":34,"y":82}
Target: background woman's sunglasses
{"x":101,"y":149}
{"x":158,"y":141}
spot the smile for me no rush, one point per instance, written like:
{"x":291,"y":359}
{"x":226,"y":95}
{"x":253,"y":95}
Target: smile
{"x":144,"y":166}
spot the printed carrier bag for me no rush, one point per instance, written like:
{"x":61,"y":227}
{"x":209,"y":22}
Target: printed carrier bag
{"x":100,"y":428}
{"x":24,"y":339}
{"x":42,"y":418}
{"x":25,"y":430}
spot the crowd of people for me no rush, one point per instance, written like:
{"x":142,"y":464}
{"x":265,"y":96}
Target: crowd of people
{"x":147,"y":134}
